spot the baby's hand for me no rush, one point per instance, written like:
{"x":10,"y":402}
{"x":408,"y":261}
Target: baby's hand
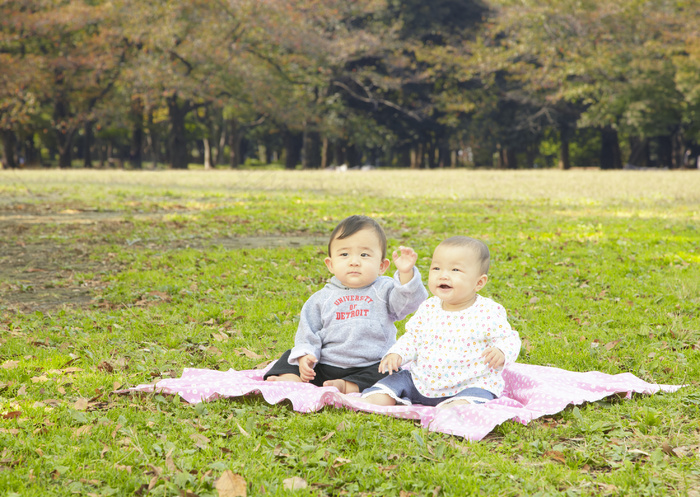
{"x":391,"y":363}
{"x":306,"y":367}
{"x":494,"y":357}
{"x":405,"y":260}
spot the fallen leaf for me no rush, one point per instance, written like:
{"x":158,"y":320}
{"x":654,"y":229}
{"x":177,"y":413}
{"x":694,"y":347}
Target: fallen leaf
{"x":152,"y":484}
{"x":243,"y":432}
{"x":105,"y":366}
{"x":231,"y":485}
{"x":39,"y":379}
{"x":534,"y":300}
{"x":83,"y":430}
{"x":199,"y":440}
{"x":169,"y":462}
{"x":668,"y":449}
{"x":249,"y":353}
{"x":327,"y":437}
{"x":687,"y":451}
{"x":80,"y":405}
{"x":294,"y":483}
{"x":12,"y":415}
{"x":612,"y":345}
{"x":339,"y":461}
{"x":556,"y":455}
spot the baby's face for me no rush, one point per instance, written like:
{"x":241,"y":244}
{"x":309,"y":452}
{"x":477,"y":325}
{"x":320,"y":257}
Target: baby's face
{"x":455,"y":276}
{"x":357,"y":259}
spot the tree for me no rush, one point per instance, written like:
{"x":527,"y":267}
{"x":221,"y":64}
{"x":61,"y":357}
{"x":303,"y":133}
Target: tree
{"x":76,"y":52}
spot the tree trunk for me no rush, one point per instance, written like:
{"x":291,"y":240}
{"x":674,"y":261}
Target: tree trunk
{"x":234,"y":143}
{"x":353,"y":156}
{"x":218,"y":152}
{"x":431,"y":153}
{"x":137,"y":134}
{"x":564,"y":149}
{"x":610,"y":149}
{"x":178,"y":140}
{"x":403,"y":156}
{"x":444,"y":154}
{"x":678,"y":145}
{"x":88,"y":140}
{"x":531,"y":155}
{"x":293,"y":143}
{"x":507,"y":159}
{"x":639,"y":152}
{"x":665,"y":151}
{"x":417,"y":154}
{"x":8,"y":147}
{"x":324,"y":152}
{"x":312,"y":158}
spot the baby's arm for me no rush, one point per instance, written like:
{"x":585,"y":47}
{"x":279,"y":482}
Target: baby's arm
{"x":404,"y":262}
{"x":390,"y":363}
{"x":505,"y":343}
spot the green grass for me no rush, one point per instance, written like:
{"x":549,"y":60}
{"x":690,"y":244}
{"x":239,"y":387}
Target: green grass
{"x":598,"y":271}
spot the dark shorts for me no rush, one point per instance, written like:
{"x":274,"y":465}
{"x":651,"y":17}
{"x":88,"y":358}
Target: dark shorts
{"x":363,"y":377}
{"x":401,"y":388}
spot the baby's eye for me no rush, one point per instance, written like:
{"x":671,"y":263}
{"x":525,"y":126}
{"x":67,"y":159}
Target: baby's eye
{"x":434,"y":268}
{"x":343,"y":254}
{"x":455,"y":269}
{"x":364,"y":255}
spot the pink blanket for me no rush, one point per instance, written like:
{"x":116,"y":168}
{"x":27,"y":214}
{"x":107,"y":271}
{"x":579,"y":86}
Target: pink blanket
{"x":531,"y":392}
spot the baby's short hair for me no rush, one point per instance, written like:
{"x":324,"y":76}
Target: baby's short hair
{"x":479,"y":248}
{"x":352,"y":224}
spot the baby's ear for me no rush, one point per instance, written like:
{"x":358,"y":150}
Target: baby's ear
{"x":329,"y":263}
{"x":482,"y":282}
{"x":384,"y":266}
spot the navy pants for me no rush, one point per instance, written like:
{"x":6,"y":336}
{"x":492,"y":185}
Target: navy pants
{"x":363,"y":377}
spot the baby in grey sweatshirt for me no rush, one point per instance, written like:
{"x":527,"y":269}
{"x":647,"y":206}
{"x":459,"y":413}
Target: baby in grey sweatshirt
{"x":346,"y":328}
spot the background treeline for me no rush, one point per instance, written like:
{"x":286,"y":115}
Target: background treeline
{"x":316,"y":83}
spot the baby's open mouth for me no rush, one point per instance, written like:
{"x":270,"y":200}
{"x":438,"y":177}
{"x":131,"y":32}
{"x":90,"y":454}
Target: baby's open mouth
{"x":444,"y":286}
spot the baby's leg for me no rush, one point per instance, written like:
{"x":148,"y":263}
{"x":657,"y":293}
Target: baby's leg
{"x":281,"y":370}
{"x":343,"y":386}
{"x":285,"y":377}
{"x":380,"y":399}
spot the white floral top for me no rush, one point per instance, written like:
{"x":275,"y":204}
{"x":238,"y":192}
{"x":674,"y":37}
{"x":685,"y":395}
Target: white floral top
{"x":446,"y":346}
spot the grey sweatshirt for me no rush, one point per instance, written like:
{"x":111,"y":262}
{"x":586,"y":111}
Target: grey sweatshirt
{"x":354,"y":327}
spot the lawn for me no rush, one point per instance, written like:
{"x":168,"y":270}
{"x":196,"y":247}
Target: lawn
{"x":110,"y":279}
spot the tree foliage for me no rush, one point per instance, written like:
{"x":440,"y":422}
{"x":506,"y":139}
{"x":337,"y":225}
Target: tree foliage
{"x":402,"y":82}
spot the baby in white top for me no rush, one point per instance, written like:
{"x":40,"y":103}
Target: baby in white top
{"x":458,"y":341}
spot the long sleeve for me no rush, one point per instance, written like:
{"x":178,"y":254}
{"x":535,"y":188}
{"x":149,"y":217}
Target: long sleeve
{"x":405,"y":299}
{"x":504,"y":337}
{"x":307,"y":339}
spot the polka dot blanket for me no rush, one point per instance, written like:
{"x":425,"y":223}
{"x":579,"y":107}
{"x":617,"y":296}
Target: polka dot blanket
{"x":531,"y":392}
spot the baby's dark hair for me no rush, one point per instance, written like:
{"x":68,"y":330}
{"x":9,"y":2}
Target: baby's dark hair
{"x":351,"y":225}
{"x":479,"y":248}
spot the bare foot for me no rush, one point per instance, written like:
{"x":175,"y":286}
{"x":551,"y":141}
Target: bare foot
{"x":342,"y":385}
{"x":285,"y":377}
{"x":459,"y":401}
{"x":380,"y":399}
